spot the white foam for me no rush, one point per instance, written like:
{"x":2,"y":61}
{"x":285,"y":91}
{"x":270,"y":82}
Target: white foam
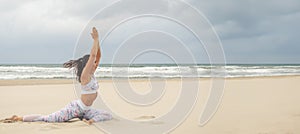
{"x":50,"y":72}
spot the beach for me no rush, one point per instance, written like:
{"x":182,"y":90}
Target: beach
{"x":256,"y":105}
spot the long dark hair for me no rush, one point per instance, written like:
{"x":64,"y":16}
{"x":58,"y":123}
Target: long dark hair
{"x":78,"y":65}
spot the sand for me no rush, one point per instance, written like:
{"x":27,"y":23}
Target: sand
{"x":261,"y":105}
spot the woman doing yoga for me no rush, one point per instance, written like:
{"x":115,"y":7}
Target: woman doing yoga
{"x":85,"y":68}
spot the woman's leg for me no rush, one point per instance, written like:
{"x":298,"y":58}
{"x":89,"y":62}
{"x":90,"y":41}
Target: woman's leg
{"x":31,"y":118}
{"x":71,"y":111}
{"x":97,"y":115}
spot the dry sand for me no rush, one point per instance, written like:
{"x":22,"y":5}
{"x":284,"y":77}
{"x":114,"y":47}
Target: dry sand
{"x":265,"y":105}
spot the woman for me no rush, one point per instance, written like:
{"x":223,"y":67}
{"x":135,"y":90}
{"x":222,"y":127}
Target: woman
{"x":85,"y":68}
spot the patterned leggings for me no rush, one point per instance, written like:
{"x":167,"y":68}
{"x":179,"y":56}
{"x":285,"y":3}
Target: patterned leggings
{"x":72,"y":110}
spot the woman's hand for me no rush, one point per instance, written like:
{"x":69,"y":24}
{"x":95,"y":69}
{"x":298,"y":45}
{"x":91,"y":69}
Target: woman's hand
{"x":94,"y":34}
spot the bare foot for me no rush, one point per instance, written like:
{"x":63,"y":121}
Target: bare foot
{"x":11,"y":118}
{"x":8,"y":120}
{"x":14,"y":118}
{"x":89,"y":122}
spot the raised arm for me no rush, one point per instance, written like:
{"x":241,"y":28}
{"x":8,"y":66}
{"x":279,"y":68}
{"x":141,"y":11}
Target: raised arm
{"x":98,"y":57}
{"x":94,"y":59}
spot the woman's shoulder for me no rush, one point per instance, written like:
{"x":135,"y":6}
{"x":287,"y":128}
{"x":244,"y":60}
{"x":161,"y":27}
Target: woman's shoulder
{"x":86,"y":80}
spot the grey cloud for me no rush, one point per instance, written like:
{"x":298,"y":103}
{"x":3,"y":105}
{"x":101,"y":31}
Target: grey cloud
{"x":256,"y":31}
{"x":251,"y":31}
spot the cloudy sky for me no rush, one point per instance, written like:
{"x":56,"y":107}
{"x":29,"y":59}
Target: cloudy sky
{"x":47,"y":31}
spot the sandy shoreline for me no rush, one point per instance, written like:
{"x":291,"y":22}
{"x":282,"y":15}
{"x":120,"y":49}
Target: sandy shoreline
{"x":35,"y":82}
{"x":260,"y":105}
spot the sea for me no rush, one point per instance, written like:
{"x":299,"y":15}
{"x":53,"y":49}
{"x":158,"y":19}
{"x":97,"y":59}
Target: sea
{"x":56,"y":71}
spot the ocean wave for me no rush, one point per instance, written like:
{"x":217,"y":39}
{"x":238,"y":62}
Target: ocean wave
{"x":151,"y":71}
